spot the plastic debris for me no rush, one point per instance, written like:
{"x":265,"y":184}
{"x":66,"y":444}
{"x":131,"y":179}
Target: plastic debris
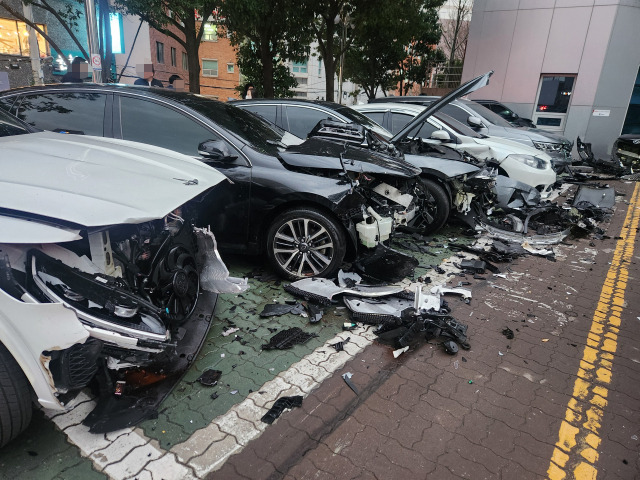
{"x":339,"y":346}
{"x":347,"y":379}
{"x":507,"y":332}
{"x":280,"y":405}
{"x":277,"y":309}
{"x":348,"y":279}
{"x":545,"y":339}
{"x":400,"y":351}
{"x":440,"y":290}
{"x":226,"y":333}
{"x":322,"y":290}
{"x":210,"y":377}
{"x":315,"y":313}
{"x":287,"y":339}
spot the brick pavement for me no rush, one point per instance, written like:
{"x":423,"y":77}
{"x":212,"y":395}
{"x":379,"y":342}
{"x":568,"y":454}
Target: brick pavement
{"x":420,"y":417}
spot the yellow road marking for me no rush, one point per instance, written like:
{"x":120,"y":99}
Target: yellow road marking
{"x":575,"y":453}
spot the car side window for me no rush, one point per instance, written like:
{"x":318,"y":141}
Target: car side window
{"x":268,"y":112}
{"x":69,"y":112}
{"x":302,"y":119}
{"x":377,"y":117}
{"x":456,"y":112}
{"x":399,"y":120}
{"x":426,"y":130}
{"x":155,"y":124}
{"x":7,"y":103}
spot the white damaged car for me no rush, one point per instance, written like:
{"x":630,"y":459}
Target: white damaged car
{"x":104,"y":281}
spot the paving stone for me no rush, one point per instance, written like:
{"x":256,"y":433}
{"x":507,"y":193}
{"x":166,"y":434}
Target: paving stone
{"x":133,"y":462}
{"x":167,"y":467}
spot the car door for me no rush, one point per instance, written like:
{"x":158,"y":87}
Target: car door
{"x":141,"y":119}
{"x":300,"y":119}
{"x":67,"y":111}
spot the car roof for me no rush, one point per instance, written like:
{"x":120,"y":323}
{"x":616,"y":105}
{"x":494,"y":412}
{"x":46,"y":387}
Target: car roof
{"x":290,"y":101}
{"x":413,"y":107}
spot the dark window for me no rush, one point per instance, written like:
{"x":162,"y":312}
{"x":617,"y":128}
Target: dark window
{"x":426,"y":130}
{"x":81,"y":113}
{"x":377,"y":117}
{"x":632,"y":119}
{"x":548,"y":121}
{"x":268,"y":112}
{"x":399,"y":120}
{"x":555,"y":93}
{"x":160,"y":52}
{"x":456,"y":112}
{"x":483,"y":112}
{"x":185,"y":61}
{"x":302,"y":119}
{"x":148,"y":122}
{"x":7,"y":103}
{"x":173,"y":57}
{"x":10,"y":126}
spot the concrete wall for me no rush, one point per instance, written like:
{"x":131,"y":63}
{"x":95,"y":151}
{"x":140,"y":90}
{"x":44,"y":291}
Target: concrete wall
{"x":140,"y":51}
{"x":597,"y":40}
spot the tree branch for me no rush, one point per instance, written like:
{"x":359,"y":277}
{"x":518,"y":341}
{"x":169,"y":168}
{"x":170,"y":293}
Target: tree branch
{"x":45,"y":6}
{"x":22,"y":18}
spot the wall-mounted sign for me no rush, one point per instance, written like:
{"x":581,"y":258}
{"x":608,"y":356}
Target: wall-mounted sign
{"x":601,"y":113}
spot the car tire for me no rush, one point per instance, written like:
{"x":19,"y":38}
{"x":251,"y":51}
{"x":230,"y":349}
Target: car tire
{"x":304,"y":242}
{"x":434,"y":207}
{"x":15,"y":398}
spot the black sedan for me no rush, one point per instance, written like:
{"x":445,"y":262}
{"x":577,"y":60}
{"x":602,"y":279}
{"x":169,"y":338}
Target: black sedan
{"x":309,"y":205}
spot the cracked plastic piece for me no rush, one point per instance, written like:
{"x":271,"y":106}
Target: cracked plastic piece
{"x":517,"y":237}
{"x":386,"y":264}
{"x":589,"y":197}
{"x":323,"y":290}
{"x":475,"y":266}
{"x":287,"y":339}
{"x":214,"y":276}
{"x":450,"y":347}
{"x":339,"y":346}
{"x":400,"y":351}
{"x":440,"y":290}
{"x":348,"y":279}
{"x":513,"y":194}
{"x":210,"y":377}
{"x":280,"y":405}
{"x":373,"y":312}
{"x":315,"y":313}
{"x":277,"y":309}
{"x":347,"y":379}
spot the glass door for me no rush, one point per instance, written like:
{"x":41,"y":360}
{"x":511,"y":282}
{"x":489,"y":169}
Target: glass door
{"x":552,"y":102}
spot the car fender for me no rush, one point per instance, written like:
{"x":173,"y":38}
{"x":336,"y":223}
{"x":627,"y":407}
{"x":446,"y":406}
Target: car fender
{"x":441,"y":168}
{"x":26,"y":330}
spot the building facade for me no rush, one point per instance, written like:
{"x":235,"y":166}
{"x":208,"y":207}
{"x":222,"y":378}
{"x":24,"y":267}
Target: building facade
{"x":569,"y":65}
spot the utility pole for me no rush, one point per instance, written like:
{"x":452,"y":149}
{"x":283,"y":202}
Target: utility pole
{"x":92,"y":37}
{"x":34,"y":49}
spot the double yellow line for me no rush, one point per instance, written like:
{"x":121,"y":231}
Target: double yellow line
{"x":576,"y":451}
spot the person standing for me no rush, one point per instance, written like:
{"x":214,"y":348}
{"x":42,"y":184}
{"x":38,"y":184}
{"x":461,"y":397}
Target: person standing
{"x":146,"y":73}
{"x":79,"y":71}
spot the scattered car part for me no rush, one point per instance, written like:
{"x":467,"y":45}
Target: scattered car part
{"x":288,"y":338}
{"x":347,"y":379}
{"x":323,"y":290}
{"x":400,"y":351}
{"x":386,"y":264}
{"x":277,"y":309}
{"x":339,"y":346}
{"x":441,"y":290}
{"x":594,"y":197}
{"x":209,"y":378}
{"x":279,"y":406}
{"x":315,"y":312}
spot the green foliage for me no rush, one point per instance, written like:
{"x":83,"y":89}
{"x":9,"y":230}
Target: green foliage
{"x":252,"y":70}
{"x":392,"y":42}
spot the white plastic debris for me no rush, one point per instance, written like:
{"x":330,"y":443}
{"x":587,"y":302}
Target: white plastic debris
{"x":400,"y":351}
{"x":424,"y":303}
{"x":226,"y":333}
{"x":537,"y":251}
{"x":344,"y":276}
{"x":440,"y":290}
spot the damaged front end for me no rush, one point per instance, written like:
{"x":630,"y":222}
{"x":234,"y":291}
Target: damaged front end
{"x":132,"y":302}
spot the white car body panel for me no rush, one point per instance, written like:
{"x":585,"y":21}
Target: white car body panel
{"x":22,"y":230}
{"x":105,"y":181}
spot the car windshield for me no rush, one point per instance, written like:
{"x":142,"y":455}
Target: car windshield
{"x":458,"y":127}
{"x":10,"y":125}
{"x":487,"y":114}
{"x":248,"y":127}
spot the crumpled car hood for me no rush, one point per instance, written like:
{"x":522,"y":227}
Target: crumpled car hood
{"x":93,"y":181}
{"x":324,"y":154}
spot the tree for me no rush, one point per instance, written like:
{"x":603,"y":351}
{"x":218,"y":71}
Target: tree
{"x":249,"y":61}
{"x":267,"y":34}
{"x":167,"y":16}
{"x":455,"y":30}
{"x":391,"y":43}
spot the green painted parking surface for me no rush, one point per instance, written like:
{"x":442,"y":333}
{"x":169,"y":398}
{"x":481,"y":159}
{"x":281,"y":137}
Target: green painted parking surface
{"x":43,"y":452}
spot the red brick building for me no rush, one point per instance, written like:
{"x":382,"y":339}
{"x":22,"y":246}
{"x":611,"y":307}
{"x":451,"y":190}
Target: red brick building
{"x":219,"y":73}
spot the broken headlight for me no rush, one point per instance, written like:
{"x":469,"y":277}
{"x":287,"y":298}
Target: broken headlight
{"x":548,"y":146}
{"x":530,"y":161}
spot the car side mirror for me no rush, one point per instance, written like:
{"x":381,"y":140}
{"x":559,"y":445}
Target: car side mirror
{"x":441,"y":135}
{"x":474,"y":122}
{"x":215,"y":150}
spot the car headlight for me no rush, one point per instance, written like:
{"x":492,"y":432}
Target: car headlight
{"x":530,"y":160}
{"x":548,"y":146}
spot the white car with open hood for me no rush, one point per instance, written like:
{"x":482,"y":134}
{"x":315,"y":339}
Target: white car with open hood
{"x":102,"y":274}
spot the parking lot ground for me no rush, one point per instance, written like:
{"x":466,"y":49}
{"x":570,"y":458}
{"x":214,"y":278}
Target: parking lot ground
{"x":560,"y":399}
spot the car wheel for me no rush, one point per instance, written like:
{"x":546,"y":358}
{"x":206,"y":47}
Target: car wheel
{"x":305,"y":242}
{"x":15,"y":398}
{"x":434,"y":207}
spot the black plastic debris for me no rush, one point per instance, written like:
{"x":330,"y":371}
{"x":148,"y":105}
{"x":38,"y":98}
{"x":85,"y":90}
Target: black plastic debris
{"x":507,"y":332}
{"x":210,"y":377}
{"x":339,"y":346}
{"x":347,"y":379}
{"x":588,"y":197}
{"x":386,"y":264}
{"x":450,"y":347}
{"x":287,"y":339}
{"x":280,"y":405}
{"x":277,"y":309}
{"x":473,"y":266}
{"x":315,"y":313}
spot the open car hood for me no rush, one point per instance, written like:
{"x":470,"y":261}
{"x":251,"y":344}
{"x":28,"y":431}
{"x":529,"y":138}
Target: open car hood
{"x":323,"y":154}
{"x":461,"y":91}
{"x":93,"y":181}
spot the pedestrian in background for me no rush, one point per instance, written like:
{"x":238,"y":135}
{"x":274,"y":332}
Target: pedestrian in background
{"x":176,"y":82}
{"x":146,"y":73}
{"x":79,"y":71}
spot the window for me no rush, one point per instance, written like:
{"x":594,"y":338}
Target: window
{"x":632,"y":119}
{"x":299,"y":67}
{"x":154,"y":124}
{"x":209,"y":68}
{"x":230,"y":68}
{"x":10,"y":126}
{"x":160,"y":52}
{"x":377,"y":117}
{"x":268,"y":112}
{"x":185,"y":61}
{"x":456,"y":112}
{"x":210,"y":32}
{"x":319,"y":68}
{"x":173,"y":57}
{"x":399,"y":120}
{"x":555,"y":93}
{"x":302,"y":119}
{"x":14,"y":38}
{"x":301,"y":80}
{"x":299,"y":94}
{"x":81,"y":113}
